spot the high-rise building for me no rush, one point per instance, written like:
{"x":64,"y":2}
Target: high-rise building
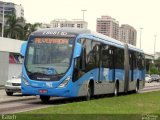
{"x":75,"y":23}
{"x":127,"y":34}
{"x":10,"y":8}
{"x":108,"y":26}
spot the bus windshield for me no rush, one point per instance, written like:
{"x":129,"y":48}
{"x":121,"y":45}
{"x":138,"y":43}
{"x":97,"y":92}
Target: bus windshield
{"x":48,"y":58}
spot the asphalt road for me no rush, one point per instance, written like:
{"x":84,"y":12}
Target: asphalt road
{"x":19,"y":103}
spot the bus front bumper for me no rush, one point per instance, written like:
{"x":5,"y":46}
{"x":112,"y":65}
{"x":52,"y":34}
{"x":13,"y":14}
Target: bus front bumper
{"x":55,"y":92}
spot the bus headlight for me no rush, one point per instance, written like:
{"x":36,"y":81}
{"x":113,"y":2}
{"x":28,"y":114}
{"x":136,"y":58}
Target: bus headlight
{"x":64,"y":83}
{"x":25,"y":81}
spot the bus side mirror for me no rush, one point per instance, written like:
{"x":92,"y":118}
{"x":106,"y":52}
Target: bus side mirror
{"x":78,"y":49}
{"x":23,"y":49}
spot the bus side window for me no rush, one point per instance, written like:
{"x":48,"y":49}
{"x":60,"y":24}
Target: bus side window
{"x":80,"y":65}
{"x":141,"y":62}
{"x":80,"y":62}
{"x":83,"y":59}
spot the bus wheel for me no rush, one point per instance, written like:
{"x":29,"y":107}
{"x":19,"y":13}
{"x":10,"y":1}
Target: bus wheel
{"x":44,"y":99}
{"x":116,"y":90}
{"x":137,"y":88}
{"x":89,"y":90}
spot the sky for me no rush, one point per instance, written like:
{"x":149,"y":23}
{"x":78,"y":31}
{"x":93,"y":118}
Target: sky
{"x":137,"y":13}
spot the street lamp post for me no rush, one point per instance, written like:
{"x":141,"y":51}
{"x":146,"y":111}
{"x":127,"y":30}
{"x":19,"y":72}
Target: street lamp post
{"x":140,"y":36}
{"x":3,"y":19}
{"x":155,"y":45}
{"x":83,"y":13}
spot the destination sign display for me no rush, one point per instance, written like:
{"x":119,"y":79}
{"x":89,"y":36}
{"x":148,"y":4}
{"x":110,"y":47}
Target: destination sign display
{"x":53,"y":33}
{"x":51,"y":40}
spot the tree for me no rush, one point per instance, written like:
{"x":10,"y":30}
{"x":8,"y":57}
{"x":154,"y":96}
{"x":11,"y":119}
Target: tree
{"x":14,"y":26}
{"x":29,"y":28}
{"x":157,"y":64}
{"x":155,"y":67}
{"x":153,"y":70}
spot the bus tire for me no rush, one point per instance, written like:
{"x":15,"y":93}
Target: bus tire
{"x":89,"y":92}
{"x":44,"y":99}
{"x":116,"y":89}
{"x":137,"y":87}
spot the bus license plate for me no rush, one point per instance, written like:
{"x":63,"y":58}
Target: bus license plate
{"x":43,"y":91}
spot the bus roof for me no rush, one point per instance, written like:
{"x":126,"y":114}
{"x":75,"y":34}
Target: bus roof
{"x":84,"y":33}
{"x":111,"y":41}
{"x":134,"y":48}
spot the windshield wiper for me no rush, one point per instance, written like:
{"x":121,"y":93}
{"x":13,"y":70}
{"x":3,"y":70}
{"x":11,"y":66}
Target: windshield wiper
{"x":37,"y":73}
{"x":51,"y":70}
{"x":45,"y":67}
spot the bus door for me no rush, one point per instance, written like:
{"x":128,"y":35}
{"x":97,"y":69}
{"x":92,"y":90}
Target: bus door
{"x":141,"y":69}
{"x":96,"y":54}
{"x":111,"y":62}
{"x":96,"y":58}
{"x":107,"y":68}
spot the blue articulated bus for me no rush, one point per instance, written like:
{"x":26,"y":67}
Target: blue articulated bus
{"x":70,"y":62}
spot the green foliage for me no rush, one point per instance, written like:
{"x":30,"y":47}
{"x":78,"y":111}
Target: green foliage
{"x":17,"y":28}
{"x":14,"y":26}
{"x":157,"y":64}
{"x":29,"y":28}
{"x":155,"y":67}
{"x":154,"y":70}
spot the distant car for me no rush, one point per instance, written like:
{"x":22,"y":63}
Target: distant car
{"x":13,"y":85}
{"x":148,"y":78}
{"x":155,"y":77}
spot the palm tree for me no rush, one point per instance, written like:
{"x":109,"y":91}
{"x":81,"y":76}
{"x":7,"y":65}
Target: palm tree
{"x":14,"y":26}
{"x":29,"y":28}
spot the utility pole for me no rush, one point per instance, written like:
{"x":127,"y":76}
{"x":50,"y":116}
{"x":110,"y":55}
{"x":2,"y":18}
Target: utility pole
{"x":3,"y":19}
{"x":140,"y":36}
{"x":83,"y":13}
{"x":155,"y":36}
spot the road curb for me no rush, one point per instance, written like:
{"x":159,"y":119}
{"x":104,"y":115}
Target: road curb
{"x":150,"y":89}
{"x":152,"y":86}
{"x":21,"y":99}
